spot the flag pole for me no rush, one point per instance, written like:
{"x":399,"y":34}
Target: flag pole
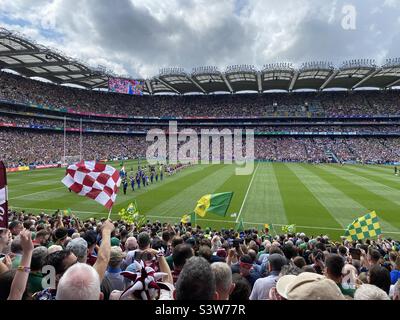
{"x":80,"y":140}
{"x":109,"y":214}
{"x":65,"y":137}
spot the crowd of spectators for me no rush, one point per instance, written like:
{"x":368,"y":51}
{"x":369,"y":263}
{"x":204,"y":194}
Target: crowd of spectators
{"x":33,"y":147}
{"x":330,"y":104}
{"x":24,"y":147}
{"x":112,"y":260}
{"x":40,"y":122}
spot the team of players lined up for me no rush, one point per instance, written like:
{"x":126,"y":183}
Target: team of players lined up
{"x":146,"y":175}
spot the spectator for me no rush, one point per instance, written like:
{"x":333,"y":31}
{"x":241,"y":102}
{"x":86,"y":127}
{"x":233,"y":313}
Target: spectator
{"x":180,"y":255}
{"x":380,"y":277}
{"x":79,"y":248}
{"x":242,"y":289}
{"x":39,"y":255}
{"x":308,"y":286}
{"x":373,"y":257}
{"x":334,"y":267}
{"x":15,"y":228}
{"x":5,"y":239}
{"x":395,"y":273}
{"x":223,"y":280}
{"x":113,"y":273}
{"x":196,"y":281}
{"x":263,"y":285}
{"x":246,"y":269}
{"x":396,"y":291}
{"x":42,"y":238}
{"x":90,"y":238}
{"x":80,"y":282}
{"x":299,"y":262}
{"x":175,"y":242}
{"x":370,"y":292}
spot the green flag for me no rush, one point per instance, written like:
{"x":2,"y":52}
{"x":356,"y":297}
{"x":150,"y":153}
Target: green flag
{"x":217,"y":203}
{"x":133,"y":208}
{"x":240,"y":226}
{"x":188,"y":218}
{"x":289,"y":228}
{"x":367,"y":226}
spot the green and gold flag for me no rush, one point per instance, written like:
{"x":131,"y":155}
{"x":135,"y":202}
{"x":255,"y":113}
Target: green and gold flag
{"x":289,"y":228}
{"x":133,"y":208}
{"x":217,"y":203}
{"x":365,"y":227}
{"x":188,"y":218}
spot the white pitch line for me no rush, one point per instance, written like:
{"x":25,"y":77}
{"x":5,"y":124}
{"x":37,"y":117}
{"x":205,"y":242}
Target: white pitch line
{"x":29,"y":194}
{"x":209,"y":220}
{"x":247,"y":193}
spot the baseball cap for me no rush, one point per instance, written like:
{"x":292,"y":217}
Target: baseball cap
{"x":308,"y":286}
{"x":115,"y":242}
{"x":116,"y":255}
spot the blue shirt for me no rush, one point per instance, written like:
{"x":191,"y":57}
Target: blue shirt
{"x":394,"y":276}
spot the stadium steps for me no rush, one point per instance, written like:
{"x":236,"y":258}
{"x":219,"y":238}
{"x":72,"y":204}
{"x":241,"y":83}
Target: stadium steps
{"x":332,"y":156}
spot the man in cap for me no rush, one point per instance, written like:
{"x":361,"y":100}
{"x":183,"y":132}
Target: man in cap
{"x":308,"y":286}
{"x":113,"y":273}
{"x":263,"y":285}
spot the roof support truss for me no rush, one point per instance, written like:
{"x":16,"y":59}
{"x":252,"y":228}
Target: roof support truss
{"x":168,"y":86}
{"x":259,"y":82}
{"x":227,"y":83}
{"x":333,"y":75}
{"x":365,"y":79}
{"x":196,"y":84}
{"x":293,"y":82}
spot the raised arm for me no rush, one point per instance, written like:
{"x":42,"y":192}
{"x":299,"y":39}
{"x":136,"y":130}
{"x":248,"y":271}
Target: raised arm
{"x":103,"y":256}
{"x":20,"y":280}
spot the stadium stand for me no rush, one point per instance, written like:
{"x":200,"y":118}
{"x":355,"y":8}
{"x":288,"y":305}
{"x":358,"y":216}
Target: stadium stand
{"x":319,"y":126}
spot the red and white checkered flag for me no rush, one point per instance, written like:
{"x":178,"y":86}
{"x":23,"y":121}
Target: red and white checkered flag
{"x":97,"y":181}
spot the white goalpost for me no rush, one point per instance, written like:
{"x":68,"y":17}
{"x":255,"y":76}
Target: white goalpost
{"x":71,"y":159}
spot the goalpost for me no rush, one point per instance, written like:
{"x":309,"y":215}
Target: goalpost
{"x":70,"y":159}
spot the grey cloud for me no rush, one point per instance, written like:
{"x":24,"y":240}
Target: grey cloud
{"x":127,"y":33}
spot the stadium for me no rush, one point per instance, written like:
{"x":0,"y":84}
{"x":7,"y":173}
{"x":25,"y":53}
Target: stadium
{"x":326,"y":154}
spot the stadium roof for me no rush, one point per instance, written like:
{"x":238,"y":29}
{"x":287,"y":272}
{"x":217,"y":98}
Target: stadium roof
{"x":33,"y":60}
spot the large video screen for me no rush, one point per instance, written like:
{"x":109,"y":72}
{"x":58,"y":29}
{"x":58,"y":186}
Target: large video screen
{"x":127,"y":86}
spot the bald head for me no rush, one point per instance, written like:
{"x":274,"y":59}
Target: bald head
{"x":79,"y":282}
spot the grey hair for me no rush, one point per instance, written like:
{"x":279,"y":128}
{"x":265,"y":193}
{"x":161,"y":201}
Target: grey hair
{"x":290,"y":270}
{"x":79,"y":282}
{"x":79,"y":247}
{"x":370,"y":292}
{"x":223,"y":276}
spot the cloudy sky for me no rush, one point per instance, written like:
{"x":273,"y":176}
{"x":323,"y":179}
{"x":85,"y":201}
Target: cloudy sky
{"x":138,"y":37}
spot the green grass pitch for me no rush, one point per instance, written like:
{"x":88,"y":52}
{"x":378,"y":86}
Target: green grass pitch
{"x":317,"y":198}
